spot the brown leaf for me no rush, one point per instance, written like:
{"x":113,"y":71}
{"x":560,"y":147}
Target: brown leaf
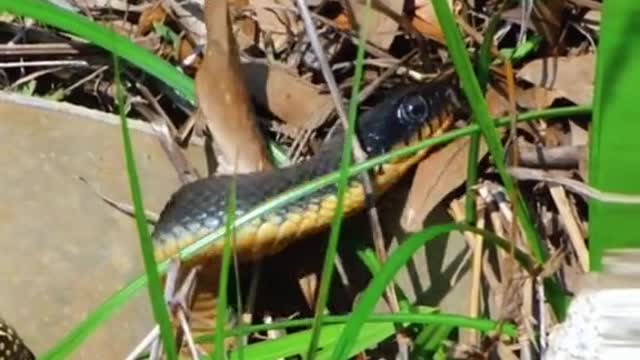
{"x":278,"y":22}
{"x":149,"y":17}
{"x":497,"y":104}
{"x":381,"y":28}
{"x":426,"y":22}
{"x":579,"y":136}
{"x":547,"y":19}
{"x":342,"y":22}
{"x":570,"y":77}
{"x":295,"y":101}
{"x":536,"y":97}
{"x":436,"y":177}
{"x":424,"y":11}
{"x":223,"y":98}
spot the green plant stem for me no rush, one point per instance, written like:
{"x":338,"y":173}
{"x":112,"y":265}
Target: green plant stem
{"x":75,"y":338}
{"x":473,"y":92}
{"x":156,"y":296}
{"x":221,"y":303}
{"x":345,"y":163}
{"x":472,"y":179}
{"x":118,"y":45}
{"x":454,"y":320}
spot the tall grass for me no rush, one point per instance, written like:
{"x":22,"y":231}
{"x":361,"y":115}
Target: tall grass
{"x":345,"y":163}
{"x":150,"y":265}
{"x":478,"y":105}
{"x":221,"y":303}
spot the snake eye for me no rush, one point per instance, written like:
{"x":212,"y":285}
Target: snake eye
{"x":412,"y":109}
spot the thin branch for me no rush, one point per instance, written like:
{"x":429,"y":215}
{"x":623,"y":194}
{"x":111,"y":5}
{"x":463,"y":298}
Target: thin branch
{"x":574,"y":185}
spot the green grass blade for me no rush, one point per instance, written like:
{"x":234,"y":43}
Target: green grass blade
{"x":440,"y":333}
{"x":396,"y":261}
{"x":475,"y":97}
{"x":81,"y":26}
{"x":156,"y":295}
{"x":102,"y":313}
{"x":614,"y":151}
{"x":221,"y":304}
{"x":431,"y":317}
{"x":484,"y":63}
{"x":345,"y":163}
{"x":64,"y":348}
{"x":296,"y":344}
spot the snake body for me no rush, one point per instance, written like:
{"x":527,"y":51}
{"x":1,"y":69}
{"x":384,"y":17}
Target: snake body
{"x":407,"y":115}
{"x":11,"y":345}
{"x":197,"y":209}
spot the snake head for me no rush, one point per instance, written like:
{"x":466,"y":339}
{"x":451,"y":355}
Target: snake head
{"x":403,"y":114}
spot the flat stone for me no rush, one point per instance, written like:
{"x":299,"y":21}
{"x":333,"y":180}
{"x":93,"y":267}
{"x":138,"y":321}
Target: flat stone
{"x":66,"y":250}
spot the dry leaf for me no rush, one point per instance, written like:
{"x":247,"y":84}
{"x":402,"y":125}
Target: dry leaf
{"x":426,"y":21}
{"x":149,"y":17}
{"x":185,"y":51}
{"x":195,"y":28}
{"x":536,"y":97}
{"x":290,"y":98}
{"x":571,"y":77}
{"x":342,"y":22}
{"x":548,"y":20}
{"x":497,"y":104}
{"x":382,"y":28}
{"x":424,"y":10}
{"x":579,"y":136}
{"x":592,"y":20}
{"x":223,"y":99}
{"x":436,"y":177}
{"x":278,"y":22}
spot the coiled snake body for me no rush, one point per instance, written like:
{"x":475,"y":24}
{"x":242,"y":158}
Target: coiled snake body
{"x":197,"y":209}
{"x":408,"y":115}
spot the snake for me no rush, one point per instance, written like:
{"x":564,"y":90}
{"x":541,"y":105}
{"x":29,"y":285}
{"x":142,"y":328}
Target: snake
{"x":12,"y":347}
{"x":409,"y":113}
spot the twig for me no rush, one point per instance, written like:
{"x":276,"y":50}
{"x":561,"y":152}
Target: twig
{"x":165,"y":133}
{"x":152,"y":336}
{"x":574,"y":186}
{"x":19,"y":64}
{"x":73,"y":86}
{"x":476,"y":279}
{"x":187,"y":334}
{"x":571,"y":225}
{"x":120,"y":206}
{"x":556,"y":157}
{"x":358,"y":152}
{"x":33,"y":76}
